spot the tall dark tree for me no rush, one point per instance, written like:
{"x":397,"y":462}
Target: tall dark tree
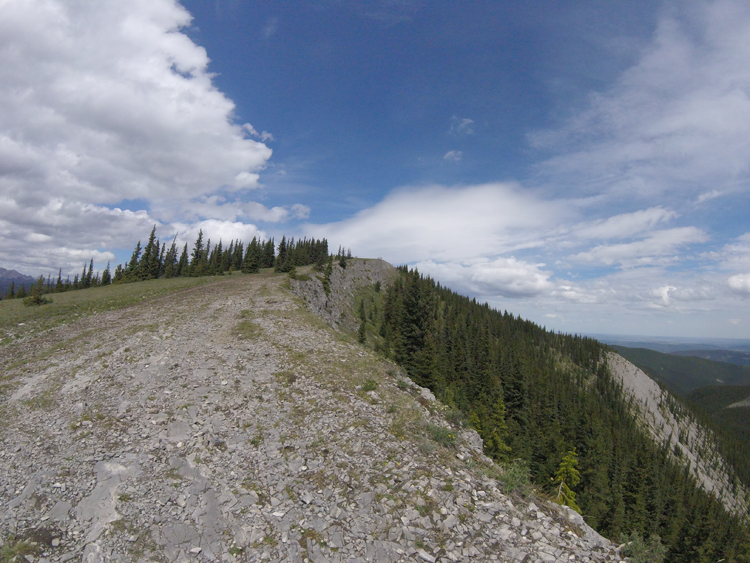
{"x":106,"y":276}
{"x":183,"y":266}
{"x":198,"y":262}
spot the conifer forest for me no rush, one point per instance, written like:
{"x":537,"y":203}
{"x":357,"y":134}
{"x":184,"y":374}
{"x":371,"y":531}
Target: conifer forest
{"x":549,"y":400}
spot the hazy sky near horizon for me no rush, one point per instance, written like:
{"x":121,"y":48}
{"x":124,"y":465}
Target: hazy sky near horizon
{"x":585,"y":165}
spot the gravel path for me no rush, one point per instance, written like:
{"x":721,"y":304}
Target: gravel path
{"x":227,"y":423}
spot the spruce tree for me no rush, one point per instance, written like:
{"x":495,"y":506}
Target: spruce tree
{"x":197,"y":264}
{"x":252,"y":262}
{"x":238,"y":255}
{"x":362,"y":332}
{"x":106,"y":276}
{"x":89,"y":275}
{"x":281,"y":258}
{"x":170,"y":260}
{"x":59,"y":287}
{"x":132,"y":270}
{"x":183,"y":266}
{"x":567,"y":476}
{"x":268,"y":256}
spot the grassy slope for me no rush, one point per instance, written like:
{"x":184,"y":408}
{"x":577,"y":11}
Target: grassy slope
{"x":684,"y":374}
{"x":17,"y":320}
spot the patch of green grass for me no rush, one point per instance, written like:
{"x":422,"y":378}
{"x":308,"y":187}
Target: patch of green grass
{"x":16,"y":550}
{"x":247,"y":330}
{"x":73,"y":305}
{"x":369,"y":385}
{"x":312,"y":535}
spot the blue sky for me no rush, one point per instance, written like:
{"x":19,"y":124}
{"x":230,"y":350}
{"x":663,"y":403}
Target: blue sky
{"x":585,"y":165}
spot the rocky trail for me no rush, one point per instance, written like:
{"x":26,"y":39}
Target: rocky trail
{"x":228,"y":423}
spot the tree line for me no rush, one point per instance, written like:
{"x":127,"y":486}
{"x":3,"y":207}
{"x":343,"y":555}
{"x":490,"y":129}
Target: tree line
{"x":549,"y":400}
{"x":154,"y":260}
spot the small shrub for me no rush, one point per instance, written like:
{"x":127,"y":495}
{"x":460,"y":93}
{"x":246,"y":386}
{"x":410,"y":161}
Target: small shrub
{"x":443,"y":436}
{"x":36,"y":299}
{"x":640,"y":551}
{"x":369,"y":385}
{"x":515,"y":477}
{"x":456,"y":418}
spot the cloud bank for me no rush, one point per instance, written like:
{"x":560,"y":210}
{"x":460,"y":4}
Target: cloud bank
{"x":105,"y":102}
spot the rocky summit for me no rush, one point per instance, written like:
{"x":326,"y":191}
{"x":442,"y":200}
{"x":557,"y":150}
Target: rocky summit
{"x":228,"y":423}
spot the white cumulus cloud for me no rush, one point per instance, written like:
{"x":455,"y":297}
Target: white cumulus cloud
{"x":506,"y":277}
{"x":108,"y":101}
{"x":447,"y":224}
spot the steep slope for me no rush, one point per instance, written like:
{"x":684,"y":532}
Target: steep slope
{"x":537,"y":395}
{"x":670,"y":423}
{"x":225,"y":422}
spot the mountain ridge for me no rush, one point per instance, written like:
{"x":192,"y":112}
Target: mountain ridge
{"x":224,"y":422}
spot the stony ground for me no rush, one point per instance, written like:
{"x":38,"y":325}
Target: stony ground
{"x":226,"y":423}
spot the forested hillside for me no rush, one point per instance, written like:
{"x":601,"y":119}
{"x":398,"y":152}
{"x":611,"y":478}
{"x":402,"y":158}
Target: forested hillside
{"x":683,"y":374}
{"x":728,"y":356}
{"x":549,"y":399}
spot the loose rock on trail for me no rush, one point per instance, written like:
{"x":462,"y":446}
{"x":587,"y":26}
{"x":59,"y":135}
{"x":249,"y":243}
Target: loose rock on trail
{"x":227,"y":423}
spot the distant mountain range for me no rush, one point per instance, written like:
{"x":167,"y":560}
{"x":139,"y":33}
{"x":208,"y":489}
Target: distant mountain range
{"x":728,"y":356}
{"x":672,"y":345}
{"x":11,"y":276}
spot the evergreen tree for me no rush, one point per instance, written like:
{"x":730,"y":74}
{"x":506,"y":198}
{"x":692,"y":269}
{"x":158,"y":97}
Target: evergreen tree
{"x":106,"y":276}
{"x":170,"y":260}
{"x":132,"y":270}
{"x":252,"y":262}
{"x":362,"y":332}
{"x":89,"y":275}
{"x":183,"y":266}
{"x":567,"y":476}
{"x":59,"y":287}
{"x":282,"y":262}
{"x":198,"y":262}
{"x":161,"y":265}
{"x":268,"y":256}
{"x":238,"y":255}
{"x":84,"y":278}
